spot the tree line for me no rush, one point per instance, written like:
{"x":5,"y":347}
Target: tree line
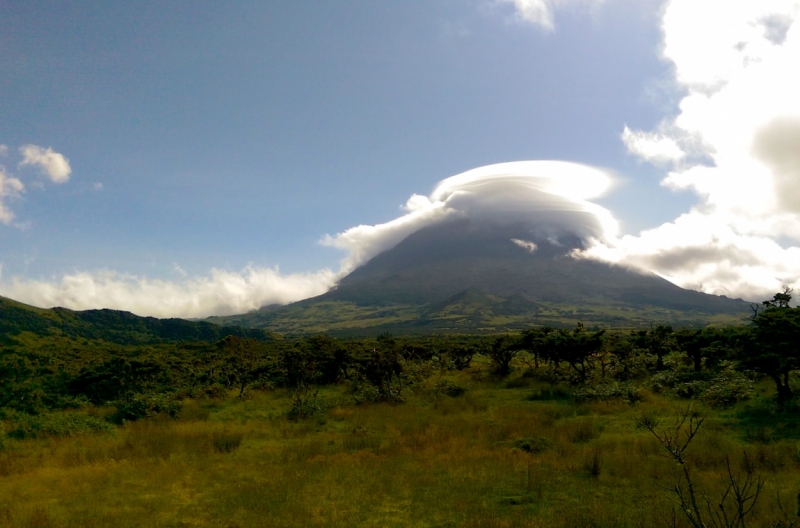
{"x":138,"y":381}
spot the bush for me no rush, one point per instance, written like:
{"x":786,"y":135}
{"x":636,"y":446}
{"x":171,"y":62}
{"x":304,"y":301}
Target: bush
{"x":445,"y":387}
{"x":145,"y":405}
{"x":607,"y":392}
{"x":728,"y":388}
{"x":725,"y":389}
{"x":533,"y":445}
{"x":548,"y":395}
{"x":56,"y":424}
{"x":304,"y":408}
{"x":226,"y":442}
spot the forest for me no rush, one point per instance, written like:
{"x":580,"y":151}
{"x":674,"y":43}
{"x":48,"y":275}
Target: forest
{"x":546,"y":427}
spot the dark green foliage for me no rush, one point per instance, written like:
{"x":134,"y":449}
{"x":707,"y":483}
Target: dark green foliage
{"x":533,"y":445}
{"x":54,"y":424}
{"x":330,"y":357}
{"x":502,"y":351}
{"x":243,"y":359}
{"x":118,"y":378}
{"x":226,"y":442}
{"x":548,"y":395}
{"x":461,"y":356}
{"x":379,"y":374}
{"x":773,"y":347}
{"x":576,"y":348}
{"x":657,"y":341}
{"x":43,"y":373}
{"x":112,"y":326}
{"x":138,"y":406}
{"x":615,"y":390}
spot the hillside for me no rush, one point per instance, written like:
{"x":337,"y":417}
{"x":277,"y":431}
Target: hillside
{"x":112,"y":326}
{"x":459,"y":276}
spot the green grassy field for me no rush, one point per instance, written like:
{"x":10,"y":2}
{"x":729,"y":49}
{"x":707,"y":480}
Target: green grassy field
{"x":507,"y":452}
{"x":344,"y":318}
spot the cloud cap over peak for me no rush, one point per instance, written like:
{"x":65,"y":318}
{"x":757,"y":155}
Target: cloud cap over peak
{"x":549,"y":196}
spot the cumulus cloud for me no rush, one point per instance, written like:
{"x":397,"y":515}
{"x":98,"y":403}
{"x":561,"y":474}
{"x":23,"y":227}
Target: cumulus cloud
{"x":220,"y":293}
{"x":9,"y":188}
{"x":735,"y":142}
{"x":550,"y":196}
{"x":52,"y":164}
{"x":655,"y":147}
{"x":542,"y":12}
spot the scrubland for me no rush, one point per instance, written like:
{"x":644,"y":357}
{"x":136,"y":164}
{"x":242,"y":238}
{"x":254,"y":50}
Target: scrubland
{"x":506,"y":451}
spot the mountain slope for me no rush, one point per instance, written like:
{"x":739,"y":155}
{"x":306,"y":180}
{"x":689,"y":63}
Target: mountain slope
{"x":113,"y":326}
{"x":466,"y":277}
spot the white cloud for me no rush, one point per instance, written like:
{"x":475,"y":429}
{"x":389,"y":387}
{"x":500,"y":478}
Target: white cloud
{"x":3,"y":150}
{"x":654,"y":147}
{"x":527,"y":245}
{"x":9,"y":188}
{"x":550,"y":195}
{"x":735,"y":142}
{"x":542,"y":12}
{"x":51,"y":163}
{"x":220,"y":293}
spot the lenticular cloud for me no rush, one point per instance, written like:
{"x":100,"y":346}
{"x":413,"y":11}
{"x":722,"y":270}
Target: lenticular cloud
{"x":549,"y":196}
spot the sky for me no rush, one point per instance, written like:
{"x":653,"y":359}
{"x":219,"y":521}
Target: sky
{"x":194,"y":158}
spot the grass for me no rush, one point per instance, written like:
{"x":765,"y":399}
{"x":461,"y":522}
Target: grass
{"x":349,"y":318}
{"x":493,"y":457}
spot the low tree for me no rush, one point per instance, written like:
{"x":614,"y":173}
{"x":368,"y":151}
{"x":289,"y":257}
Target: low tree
{"x":658,"y":341}
{"x":576,"y":348}
{"x":377,"y":373}
{"x":301,"y":369}
{"x":773,"y":347}
{"x":534,"y":341}
{"x":461,"y":355}
{"x":243,"y":358}
{"x":330,"y":356}
{"x":502,"y":351}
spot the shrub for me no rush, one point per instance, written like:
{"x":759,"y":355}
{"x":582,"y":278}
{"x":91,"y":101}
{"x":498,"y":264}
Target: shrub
{"x":725,"y":389}
{"x":533,"y":445}
{"x":56,"y":424}
{"x":548,"y":395}
{"x":226,"y":442}
{"x":608,"y":392}
{"x":145,"y":405}
{"x":728,"y":388}
{"x":445,"y":387}
{"x":304,"y":408}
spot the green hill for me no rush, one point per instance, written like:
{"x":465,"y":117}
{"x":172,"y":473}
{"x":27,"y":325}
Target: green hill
{"x":112,"y":326}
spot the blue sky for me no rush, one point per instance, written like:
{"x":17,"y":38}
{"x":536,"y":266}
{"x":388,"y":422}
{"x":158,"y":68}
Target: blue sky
{"x":218,"y":135}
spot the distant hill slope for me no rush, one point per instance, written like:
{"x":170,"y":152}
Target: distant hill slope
{"x":113,"y":326}
{"x":459,"y":276}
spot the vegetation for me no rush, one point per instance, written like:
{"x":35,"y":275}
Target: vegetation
{"x":547,"y":427}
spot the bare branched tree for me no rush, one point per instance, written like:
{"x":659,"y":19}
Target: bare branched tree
{"x":741,"y":490}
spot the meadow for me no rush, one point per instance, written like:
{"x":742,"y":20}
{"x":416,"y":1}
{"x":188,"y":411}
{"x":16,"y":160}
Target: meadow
{"x":502,"y":451}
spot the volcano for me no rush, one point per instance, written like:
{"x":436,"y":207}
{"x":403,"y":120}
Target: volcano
{"x":469,"y":276}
